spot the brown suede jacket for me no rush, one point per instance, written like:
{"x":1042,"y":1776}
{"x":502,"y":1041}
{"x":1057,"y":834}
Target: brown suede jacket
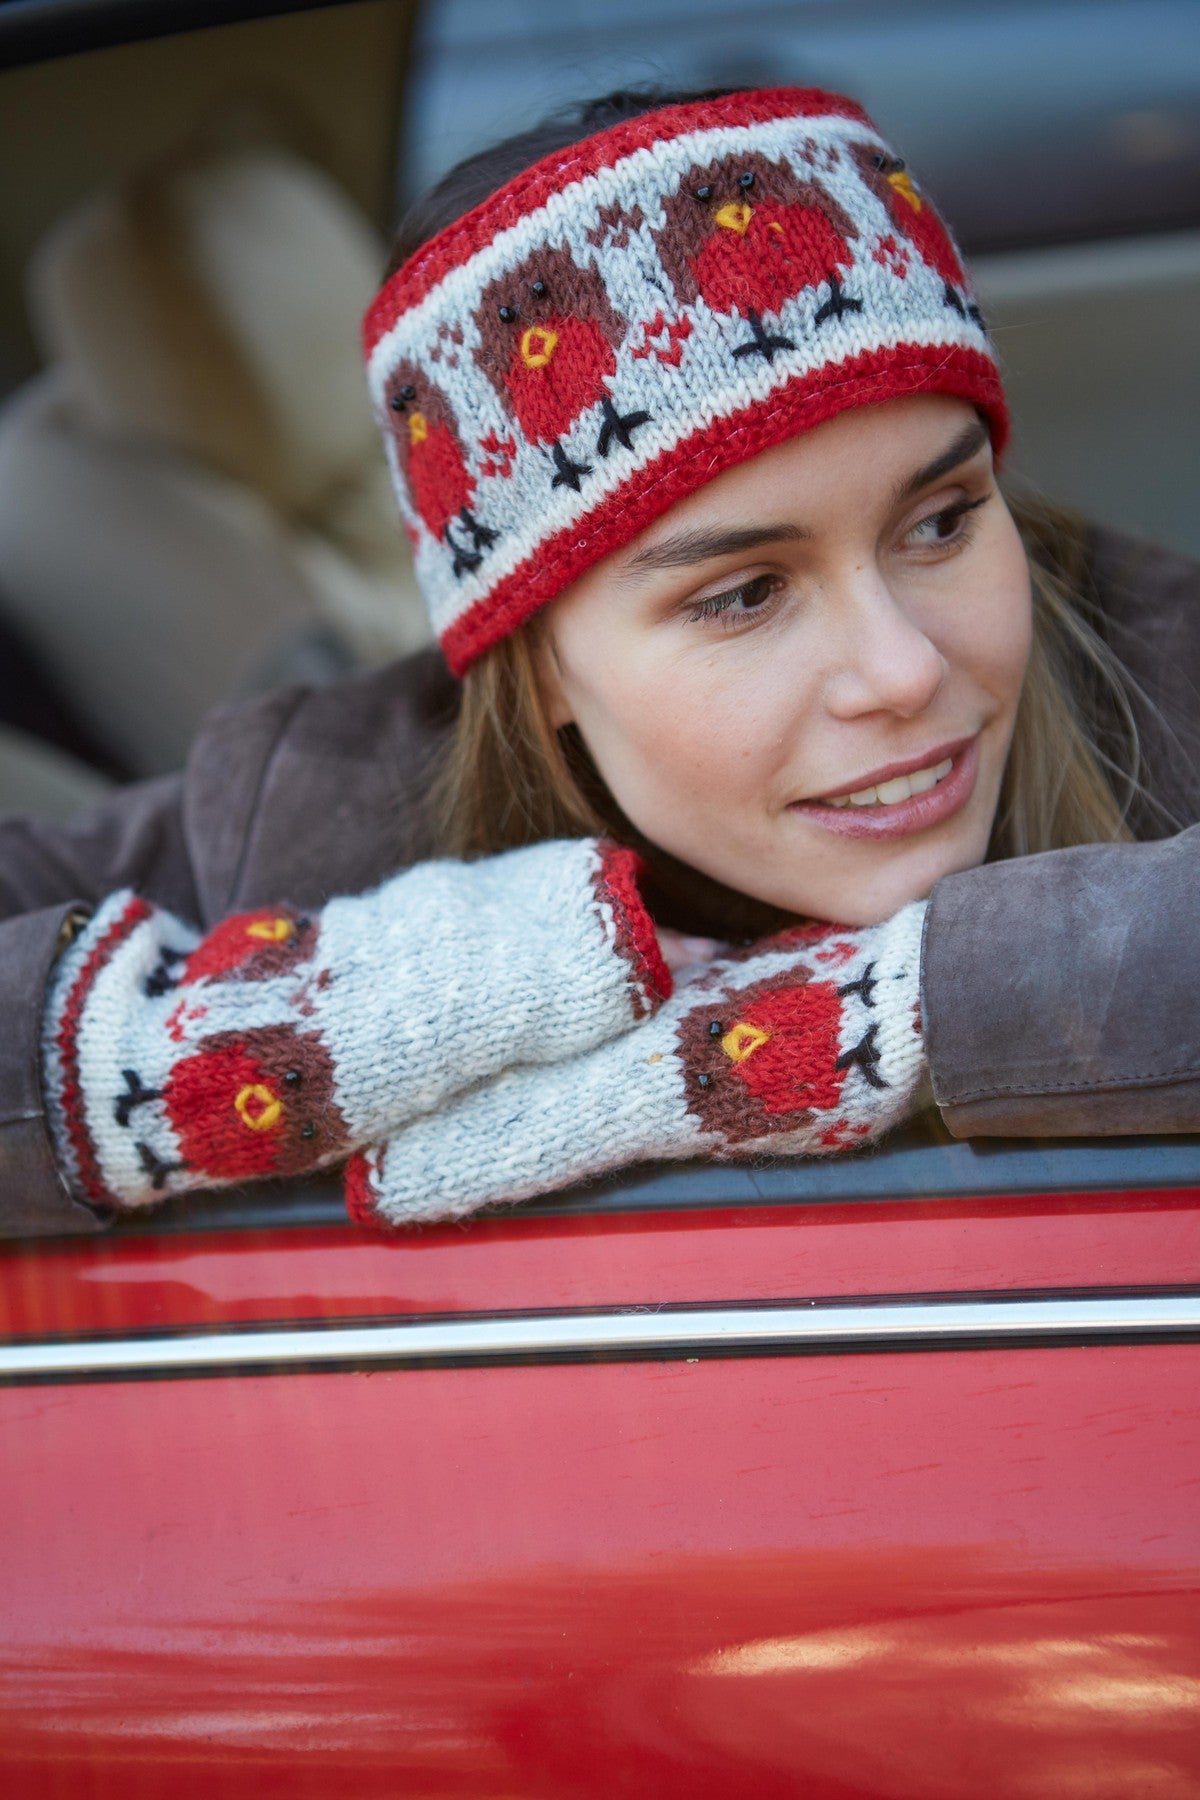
{"x":1061,"y":993}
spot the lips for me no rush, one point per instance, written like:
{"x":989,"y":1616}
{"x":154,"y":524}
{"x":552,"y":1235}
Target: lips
{"x":859,"y":809}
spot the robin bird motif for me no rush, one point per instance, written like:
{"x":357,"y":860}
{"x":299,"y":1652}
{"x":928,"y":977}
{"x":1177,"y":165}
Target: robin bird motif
{"x":434,"y":465}
{"x":746,"y":234}
{"x":244,"y":1104}
{"x":251,"y":946}
{"x":766,"y":1059}
{"x":549,"y":336}
{"x":916,"y":222}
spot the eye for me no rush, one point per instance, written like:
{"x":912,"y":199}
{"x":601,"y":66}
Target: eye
{"x":509,"y":313}
{"x":746,"y":180}
{"x":703,"y":193}
{"x":735,"y":604}
{"x":946,"y":526}
{"x":539,"y":288}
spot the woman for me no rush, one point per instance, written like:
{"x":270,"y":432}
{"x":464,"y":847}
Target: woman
{"x":693,"y":425}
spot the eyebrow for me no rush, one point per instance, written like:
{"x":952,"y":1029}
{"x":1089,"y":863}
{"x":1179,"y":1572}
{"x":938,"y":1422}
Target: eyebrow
{"x":687,"y":547}
{"x":968,"y":443}
{"x":703,"y":546}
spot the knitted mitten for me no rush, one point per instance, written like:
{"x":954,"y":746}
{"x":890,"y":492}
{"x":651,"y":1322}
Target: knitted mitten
{"x":281,"y":1040}
{"x":806,"y":1044}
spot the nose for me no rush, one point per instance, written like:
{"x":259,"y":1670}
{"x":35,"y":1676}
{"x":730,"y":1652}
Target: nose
{"x":884,"y":660}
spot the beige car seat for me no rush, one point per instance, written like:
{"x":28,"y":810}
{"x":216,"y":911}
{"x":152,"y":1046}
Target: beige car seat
{"x":192,"y":494}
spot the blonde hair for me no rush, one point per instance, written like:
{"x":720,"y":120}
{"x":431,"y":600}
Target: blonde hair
{"x":1073,"y":770}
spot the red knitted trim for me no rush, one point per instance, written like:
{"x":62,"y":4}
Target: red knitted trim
{"x":807,"y":400}
{"x":535,"y":185}
{"x":620,"y":872}
{"x":67,"y":1040}
{"x":358,"y":1191}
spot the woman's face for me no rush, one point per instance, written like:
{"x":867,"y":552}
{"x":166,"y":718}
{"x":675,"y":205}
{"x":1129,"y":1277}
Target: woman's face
{"x":802,"y":679}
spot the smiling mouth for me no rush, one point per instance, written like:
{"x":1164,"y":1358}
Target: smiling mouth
{"x":899,"y":788}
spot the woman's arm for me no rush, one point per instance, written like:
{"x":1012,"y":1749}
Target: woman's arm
{"x":1061,"y":993}
{"x":281,"y":1040}
{"x":303,"y":793}
{"x":49,"y":876}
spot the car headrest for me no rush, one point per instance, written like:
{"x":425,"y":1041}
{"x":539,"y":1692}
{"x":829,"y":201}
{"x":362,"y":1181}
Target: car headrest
{"x":212,"y":305}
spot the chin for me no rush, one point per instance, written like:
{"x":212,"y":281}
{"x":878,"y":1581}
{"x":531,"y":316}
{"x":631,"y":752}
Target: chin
{"x":859,"y":900}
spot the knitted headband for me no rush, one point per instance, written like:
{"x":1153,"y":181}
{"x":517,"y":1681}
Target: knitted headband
{"x":626,"y":319}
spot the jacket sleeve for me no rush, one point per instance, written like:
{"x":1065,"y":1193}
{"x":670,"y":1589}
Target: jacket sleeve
{"x":47,"y":874}
{"x":298,"y":796}
{"x":1061,"y":993}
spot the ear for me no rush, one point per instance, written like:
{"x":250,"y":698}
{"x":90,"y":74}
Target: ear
{"x":548,"y":674}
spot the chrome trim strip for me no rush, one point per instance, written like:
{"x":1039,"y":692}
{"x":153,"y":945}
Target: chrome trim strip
{"x":709,"y":1330}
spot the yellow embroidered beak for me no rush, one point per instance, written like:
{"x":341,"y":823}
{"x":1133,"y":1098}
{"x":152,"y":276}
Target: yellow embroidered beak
{"x":735,"y":215}
{"x":271,"y":931}
{"x":538,"y":345}
{"x":418,"y":428}
{"x":258,"y":1108}
{"x":902,"y":182}
{"x":742,"y":1040}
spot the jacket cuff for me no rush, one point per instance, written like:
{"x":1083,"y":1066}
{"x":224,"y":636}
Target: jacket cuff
{"x":1061,"y":993}
{"x":34,"y":1201}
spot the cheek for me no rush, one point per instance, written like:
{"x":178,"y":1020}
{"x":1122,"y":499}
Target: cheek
{"x":987,"y":637}
{"x":683,"y":741}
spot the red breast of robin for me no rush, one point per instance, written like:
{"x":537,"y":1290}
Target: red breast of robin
{"x":910,"y":212}
{"x":761,"y":256}
{"x":765,"y":1058}
{"x":428,"y":447}
{"x":557,"y":371}
{"x":548,"y":332}
{"x":253,"y":946}
{"x":747,"y":233}
{"x":254,"y":1103}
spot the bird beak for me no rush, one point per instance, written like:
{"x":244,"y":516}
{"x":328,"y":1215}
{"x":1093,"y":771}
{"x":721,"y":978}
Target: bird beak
{"x":538,"y":345}
{"x":418,"y":428}
{"x":271,"y":931}
{"x":742,"y":1040}
{"x":902,"y":182}
{"x":258,"y":1107}
{"x":735,"y":215}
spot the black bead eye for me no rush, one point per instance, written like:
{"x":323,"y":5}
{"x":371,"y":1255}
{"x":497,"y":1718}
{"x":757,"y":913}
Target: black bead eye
{"x":408,"y":391}
{"x":703,"y":193}
{"x":539,"y":288}
{"x":746,"y":180}
{"x":509,"y":313}
{"x":703,"y":1081}
{"x":308,"y":1130}
{"x":716,"y":1029}
{"x":879,"y":162}
{"x":292,"y":1077}
{"x":396,"y":403}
